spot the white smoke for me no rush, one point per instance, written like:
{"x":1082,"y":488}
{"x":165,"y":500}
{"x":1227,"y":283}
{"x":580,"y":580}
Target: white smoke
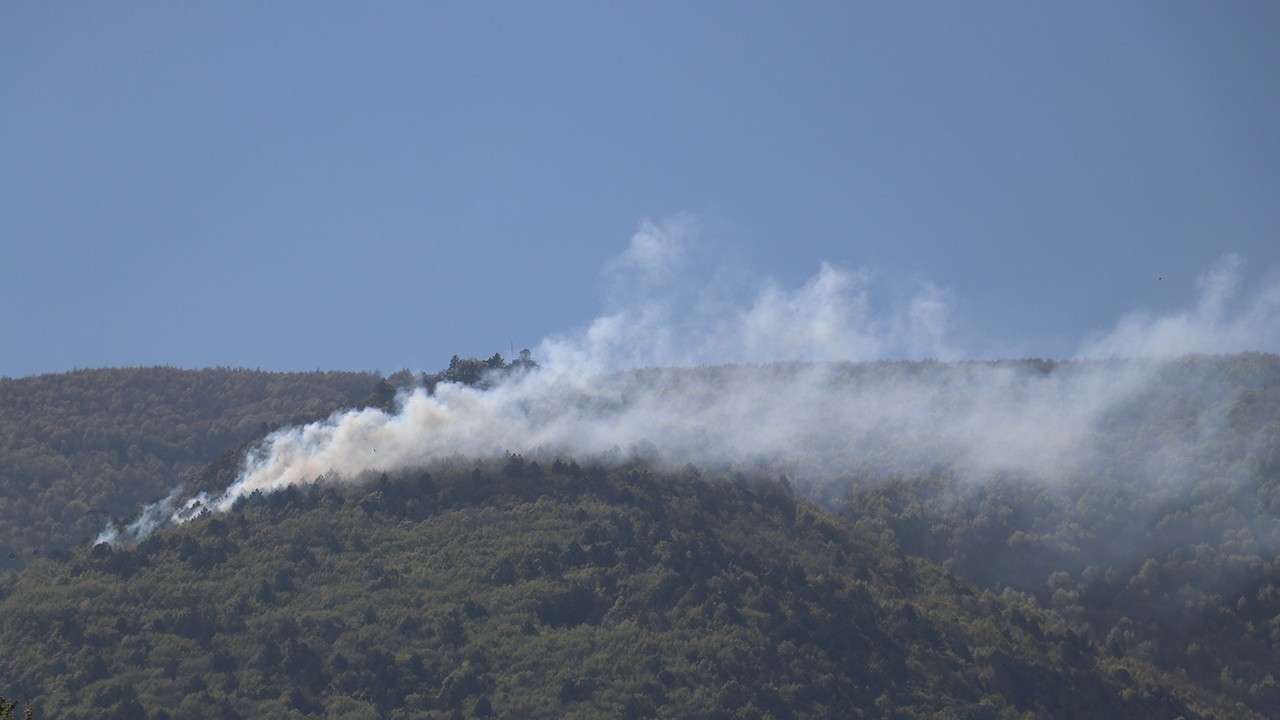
{"x":668,"y":308}
{"x":1209,"y":327}
{"x":799,"y":394}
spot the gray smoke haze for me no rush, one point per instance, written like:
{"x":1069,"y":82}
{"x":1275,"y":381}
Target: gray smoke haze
{"x":723,"y":368}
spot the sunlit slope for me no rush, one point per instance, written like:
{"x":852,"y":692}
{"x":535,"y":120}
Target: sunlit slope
{"x":522,"y":590}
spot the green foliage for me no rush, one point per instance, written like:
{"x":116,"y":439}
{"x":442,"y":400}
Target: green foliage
{"x":502,"y":589}
{"x":479,"y":373}
{"x":1142,"y":583}
{"x":81,"y":447}
{"x":1162,"y":549}
{"x":7,"y":708}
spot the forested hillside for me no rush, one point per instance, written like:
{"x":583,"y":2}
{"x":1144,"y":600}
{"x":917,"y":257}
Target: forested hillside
{"x":524,"y":590}
{"x":1165,"y":546}
{"x":81,"y":447}
{"x":1010,"y":540}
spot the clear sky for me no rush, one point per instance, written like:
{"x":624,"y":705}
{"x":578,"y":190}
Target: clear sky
{"x":292,"y":186}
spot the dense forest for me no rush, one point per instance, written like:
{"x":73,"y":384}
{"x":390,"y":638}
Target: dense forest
{"x":1141,"y":580}
{"x":79,"y":448}
{"x":518,"y":589}
{"x":1166,"y":547}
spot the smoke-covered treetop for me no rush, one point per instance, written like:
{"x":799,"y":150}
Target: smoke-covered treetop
{"x":820,"y":423}
{"x":474,"y":372}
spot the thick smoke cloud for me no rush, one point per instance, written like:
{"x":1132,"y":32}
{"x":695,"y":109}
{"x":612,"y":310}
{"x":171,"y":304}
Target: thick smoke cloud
{"x":722,"y":368}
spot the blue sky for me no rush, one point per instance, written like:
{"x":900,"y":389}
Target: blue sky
{"x":294,"y":186}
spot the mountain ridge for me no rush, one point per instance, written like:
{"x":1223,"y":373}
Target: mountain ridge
{"x":1141,"y":576}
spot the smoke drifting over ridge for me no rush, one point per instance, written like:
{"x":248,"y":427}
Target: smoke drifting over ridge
{"x":722,"y":368}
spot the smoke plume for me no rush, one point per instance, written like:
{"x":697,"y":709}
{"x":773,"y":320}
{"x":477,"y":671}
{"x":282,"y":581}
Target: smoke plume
{"x":720,"y":367}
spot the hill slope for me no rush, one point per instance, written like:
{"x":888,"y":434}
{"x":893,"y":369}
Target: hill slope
{"x":1165,"y":546}
{"x":1014,"y":539}
{"x":78,"y":448}
{"x":515,"y":590}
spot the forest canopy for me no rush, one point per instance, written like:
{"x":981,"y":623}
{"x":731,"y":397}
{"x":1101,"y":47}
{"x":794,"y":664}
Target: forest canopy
{"x":79,"y":448}
{"x":1139,"y":579}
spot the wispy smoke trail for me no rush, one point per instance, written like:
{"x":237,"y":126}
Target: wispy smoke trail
{"x":1209,"y":327}
{"x":669,"y":305}
{"x":807,"y":409}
